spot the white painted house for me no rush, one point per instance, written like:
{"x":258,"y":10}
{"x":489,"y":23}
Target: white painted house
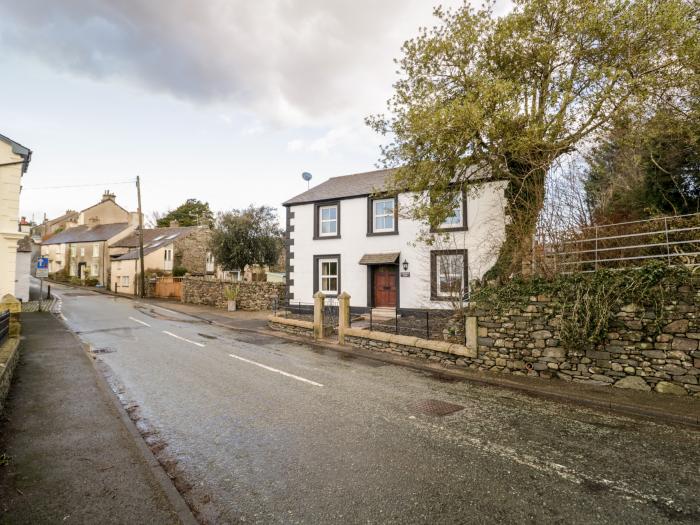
{"x":343,"y":235}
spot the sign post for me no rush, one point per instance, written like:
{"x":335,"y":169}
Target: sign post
{"x":42,"y":271}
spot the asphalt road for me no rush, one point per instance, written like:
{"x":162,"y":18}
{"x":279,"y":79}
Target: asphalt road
{"x":257,"y":429}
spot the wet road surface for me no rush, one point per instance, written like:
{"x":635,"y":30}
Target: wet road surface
{"x":258,"y":429}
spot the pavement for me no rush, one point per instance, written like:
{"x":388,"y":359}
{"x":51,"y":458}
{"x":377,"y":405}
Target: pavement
{"x":68,"y":452}
{"x":257,"y":428}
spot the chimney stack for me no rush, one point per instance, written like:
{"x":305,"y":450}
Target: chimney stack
{"x":108,"y":196}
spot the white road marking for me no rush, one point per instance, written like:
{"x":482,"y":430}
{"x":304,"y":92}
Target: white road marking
{"x":183,"y":339}
{"x":139,"y":321}
{"x":287,"y":374}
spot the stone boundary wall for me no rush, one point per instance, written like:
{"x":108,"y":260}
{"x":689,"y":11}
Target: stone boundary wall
{"x":253,"y":296}
{"x":9,"y":357}
{"x":291,"y":326}
{"x":638,"y":352}
{"x":439,"y":351}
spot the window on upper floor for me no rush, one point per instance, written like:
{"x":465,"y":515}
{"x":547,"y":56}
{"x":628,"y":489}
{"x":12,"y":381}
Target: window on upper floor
{"x":327,"y":220}
{"x":96,"y":249}
{"x":382,"y":216}
{"x":457,"y":219}
{"x":82,"y":251}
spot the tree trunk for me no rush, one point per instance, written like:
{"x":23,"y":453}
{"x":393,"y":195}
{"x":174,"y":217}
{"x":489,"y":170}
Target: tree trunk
{"x":525,"y":199}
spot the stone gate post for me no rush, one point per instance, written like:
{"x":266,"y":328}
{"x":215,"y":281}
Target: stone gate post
{"x":343,"y":315}
{"x":319,"y":300}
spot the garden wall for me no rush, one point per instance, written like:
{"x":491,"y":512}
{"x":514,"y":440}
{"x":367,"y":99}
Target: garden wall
{"x":639,"y":351}
{"x":251,"y":296}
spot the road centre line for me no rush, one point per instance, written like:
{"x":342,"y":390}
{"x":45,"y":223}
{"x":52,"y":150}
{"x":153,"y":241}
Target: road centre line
{"x":183,"y":339}
{"x":304,"y":380}
{"x":140,"y":322}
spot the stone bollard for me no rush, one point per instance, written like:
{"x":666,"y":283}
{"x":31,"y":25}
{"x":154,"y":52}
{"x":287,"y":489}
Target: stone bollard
{"x":343,"y":315}
{"x":319,"y":300}
{"x":9,"y":302}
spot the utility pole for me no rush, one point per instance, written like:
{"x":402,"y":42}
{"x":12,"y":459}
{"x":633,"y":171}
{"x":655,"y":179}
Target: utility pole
{"x":143,"y":273}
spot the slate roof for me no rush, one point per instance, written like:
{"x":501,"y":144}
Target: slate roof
{"x":84,"y":233}
{"x":150,"y":244}
{"x":20,"y":150}
{"x":132,"y":241}
{"x":380,"y":258}
{"x":70,"y":214}
{"x":356,"y":185}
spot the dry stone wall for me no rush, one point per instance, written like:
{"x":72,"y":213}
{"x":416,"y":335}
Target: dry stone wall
{"x":252,"y":295}
{"x":639,"y":351}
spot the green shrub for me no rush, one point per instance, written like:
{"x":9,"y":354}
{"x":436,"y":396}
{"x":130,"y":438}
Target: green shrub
{"x":91,"y":281}
{"x":179,"y":271}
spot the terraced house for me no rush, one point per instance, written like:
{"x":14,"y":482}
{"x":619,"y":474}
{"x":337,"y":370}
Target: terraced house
{"x":82,"y":248}
{"x":165,"y":249}
{"x":347,"y":234}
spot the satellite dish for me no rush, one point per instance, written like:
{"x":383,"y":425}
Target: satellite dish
{"x":307,"y":177}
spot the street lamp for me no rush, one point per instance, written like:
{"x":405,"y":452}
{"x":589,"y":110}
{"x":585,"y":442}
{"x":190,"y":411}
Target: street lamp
{"x":405,"y":265}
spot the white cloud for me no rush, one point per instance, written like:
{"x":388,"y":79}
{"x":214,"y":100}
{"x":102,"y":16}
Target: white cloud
{"x":291,"y":62}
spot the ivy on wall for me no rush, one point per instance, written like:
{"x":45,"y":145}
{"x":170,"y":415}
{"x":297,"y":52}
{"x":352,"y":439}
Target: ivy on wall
{"x":588,"y":301}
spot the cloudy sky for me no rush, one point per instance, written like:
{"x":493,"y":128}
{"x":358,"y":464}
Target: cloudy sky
{"x":227,"y":101}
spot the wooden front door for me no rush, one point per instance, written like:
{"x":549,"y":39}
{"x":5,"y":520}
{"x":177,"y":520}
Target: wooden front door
{"x":384,"y":286}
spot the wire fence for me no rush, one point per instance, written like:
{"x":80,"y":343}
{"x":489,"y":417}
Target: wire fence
{"x":673,"y":239}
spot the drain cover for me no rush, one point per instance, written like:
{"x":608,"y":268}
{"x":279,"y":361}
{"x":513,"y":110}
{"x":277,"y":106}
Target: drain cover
{"x":435,"y":407}
{"x":207,"y":336}
{"x":105,"y":350}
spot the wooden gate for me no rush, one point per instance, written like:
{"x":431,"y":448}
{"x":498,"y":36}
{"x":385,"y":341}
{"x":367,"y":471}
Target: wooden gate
{"x":169,"y":287}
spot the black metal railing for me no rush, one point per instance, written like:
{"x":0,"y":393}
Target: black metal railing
{"x":438,"y":325}
{"x":294,"y":310}
{"x":4,"y":326}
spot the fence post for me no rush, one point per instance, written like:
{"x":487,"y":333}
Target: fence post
{"x":319,"y":300}
{"x":668,"y":246}
{"x":596,"y":247}
{"x":343,"y":315}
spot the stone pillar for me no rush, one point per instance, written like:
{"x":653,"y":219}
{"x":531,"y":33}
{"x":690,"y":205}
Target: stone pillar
{"x":319,"y":300}
{"x":470,"y":329}
{"x":343,"y":315}
{"x":14,"y":306}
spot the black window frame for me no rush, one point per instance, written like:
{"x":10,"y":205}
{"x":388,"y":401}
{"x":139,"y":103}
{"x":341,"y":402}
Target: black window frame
{"x":434,"y":254}
{"x":317,"y":275}
{"x":317,"y":219}
{"x":370,"y":215}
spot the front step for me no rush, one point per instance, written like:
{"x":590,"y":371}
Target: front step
{"x":383,"y":313}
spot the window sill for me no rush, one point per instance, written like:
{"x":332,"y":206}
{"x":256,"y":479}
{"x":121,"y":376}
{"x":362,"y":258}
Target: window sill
{"x":323,"y":238}
{"x":443,"y":229}
{"x":378,"y":234}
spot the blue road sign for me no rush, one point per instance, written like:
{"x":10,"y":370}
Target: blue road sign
{"x":42,"y":263}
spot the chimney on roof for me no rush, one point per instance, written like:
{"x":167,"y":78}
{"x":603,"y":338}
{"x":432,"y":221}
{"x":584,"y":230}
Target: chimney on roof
{"x":108,"y":196}
{"x":93,"y":221}
{"x":174,"y":224}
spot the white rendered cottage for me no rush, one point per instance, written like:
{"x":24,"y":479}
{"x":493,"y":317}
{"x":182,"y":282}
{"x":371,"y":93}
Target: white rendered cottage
{"x":343,"y":236}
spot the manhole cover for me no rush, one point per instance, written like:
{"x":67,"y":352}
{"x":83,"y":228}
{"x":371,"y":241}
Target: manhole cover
{"x":435,"y":407}
{"x":104,"y":350}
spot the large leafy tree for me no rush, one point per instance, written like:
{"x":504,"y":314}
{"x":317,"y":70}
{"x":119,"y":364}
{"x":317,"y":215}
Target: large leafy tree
{"x":483,"y":98}
{"x":192,"y":212}
{"x":246,"y":237}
